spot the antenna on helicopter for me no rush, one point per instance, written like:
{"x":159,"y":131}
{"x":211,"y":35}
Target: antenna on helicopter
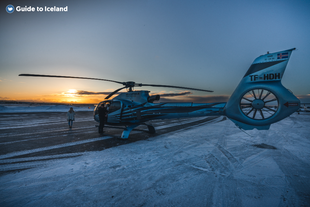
{"x":129,"y":84}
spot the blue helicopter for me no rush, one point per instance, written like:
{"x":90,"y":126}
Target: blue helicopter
{"x":258,"y":101}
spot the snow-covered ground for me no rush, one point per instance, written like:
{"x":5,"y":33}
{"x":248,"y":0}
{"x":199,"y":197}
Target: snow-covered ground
{"x":26,"y":108}
{"x":214,"y":164}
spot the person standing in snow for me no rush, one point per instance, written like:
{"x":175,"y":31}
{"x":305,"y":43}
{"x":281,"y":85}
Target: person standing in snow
{"x":70,"y":117}
{"x":102,"y":117}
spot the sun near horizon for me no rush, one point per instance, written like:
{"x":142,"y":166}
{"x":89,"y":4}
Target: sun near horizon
{"x":68,"y":96}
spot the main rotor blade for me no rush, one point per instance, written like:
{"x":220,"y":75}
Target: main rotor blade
{"x":114,"y":92}
{"x":168,"y":86}
{"x":126,"y":84}
{"x":62,"y":76}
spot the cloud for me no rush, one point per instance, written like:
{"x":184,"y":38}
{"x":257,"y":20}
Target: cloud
{"x":4,"y":98}
{"x":81,"y":92}
{"x":184,"y":96}
{"x":304,"y":98}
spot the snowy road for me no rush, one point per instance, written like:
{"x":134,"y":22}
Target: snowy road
{"x":210,"y":163}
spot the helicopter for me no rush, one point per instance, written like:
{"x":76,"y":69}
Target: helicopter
{"x":259,"y":100}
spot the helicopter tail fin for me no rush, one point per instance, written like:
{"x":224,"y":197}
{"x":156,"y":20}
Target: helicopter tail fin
{"x":260,"y":99}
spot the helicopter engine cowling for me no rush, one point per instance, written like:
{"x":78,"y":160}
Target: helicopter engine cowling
{"x":260,"y":99}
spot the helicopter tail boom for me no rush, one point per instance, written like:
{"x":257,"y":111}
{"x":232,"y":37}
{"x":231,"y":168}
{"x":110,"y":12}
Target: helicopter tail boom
{"x":260,"y":99}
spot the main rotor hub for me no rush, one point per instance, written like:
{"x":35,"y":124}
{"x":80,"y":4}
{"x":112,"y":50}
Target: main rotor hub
{"x":130,"y":85}
{"x":258,"y":104}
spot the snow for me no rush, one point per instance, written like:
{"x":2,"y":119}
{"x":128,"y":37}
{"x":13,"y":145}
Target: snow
{"x":26,"y":108}
{"x":14,"y":154}
{"x":214,"y":164}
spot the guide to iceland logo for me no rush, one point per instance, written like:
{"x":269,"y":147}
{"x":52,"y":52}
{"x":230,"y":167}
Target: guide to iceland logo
{"x":10,"y":8}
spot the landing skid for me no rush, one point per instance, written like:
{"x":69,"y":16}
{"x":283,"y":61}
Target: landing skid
{"x":128,"y":129}
{"x":151,"y":129}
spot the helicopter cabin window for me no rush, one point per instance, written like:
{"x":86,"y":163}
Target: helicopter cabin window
{"x":115,"y":105}
{"x":103,"y":103}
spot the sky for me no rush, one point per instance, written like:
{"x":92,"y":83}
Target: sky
{"x":199,"y":44}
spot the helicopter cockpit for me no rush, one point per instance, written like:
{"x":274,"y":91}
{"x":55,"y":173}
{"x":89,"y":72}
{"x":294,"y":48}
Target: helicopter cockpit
{"x":111,"y":106}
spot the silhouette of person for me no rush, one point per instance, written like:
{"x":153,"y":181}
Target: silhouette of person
{"x":102,"y":111}
{"x":70,"y":117}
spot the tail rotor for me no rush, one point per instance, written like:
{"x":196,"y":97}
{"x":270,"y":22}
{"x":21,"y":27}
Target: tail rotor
{"x":260,"y":99}
{"x":259,"y":104}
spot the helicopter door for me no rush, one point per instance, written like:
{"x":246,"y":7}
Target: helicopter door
{"x":114,"y":113}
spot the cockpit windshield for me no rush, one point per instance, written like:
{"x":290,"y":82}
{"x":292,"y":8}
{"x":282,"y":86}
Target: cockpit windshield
{"x":111,"y":106}
{"x":104,"y":103}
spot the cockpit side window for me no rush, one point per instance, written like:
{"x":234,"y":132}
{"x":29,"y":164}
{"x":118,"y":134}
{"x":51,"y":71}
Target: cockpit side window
{"x":115,"y":105}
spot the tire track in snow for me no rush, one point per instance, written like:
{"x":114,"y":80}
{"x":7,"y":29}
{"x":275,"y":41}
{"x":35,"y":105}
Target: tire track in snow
{"x":26,"y":159}
{"x":19,"y":153}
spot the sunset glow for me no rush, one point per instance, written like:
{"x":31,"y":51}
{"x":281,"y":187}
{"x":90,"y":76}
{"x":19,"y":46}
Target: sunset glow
{"x":70,"y":93}
{"x":153,"y":42}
